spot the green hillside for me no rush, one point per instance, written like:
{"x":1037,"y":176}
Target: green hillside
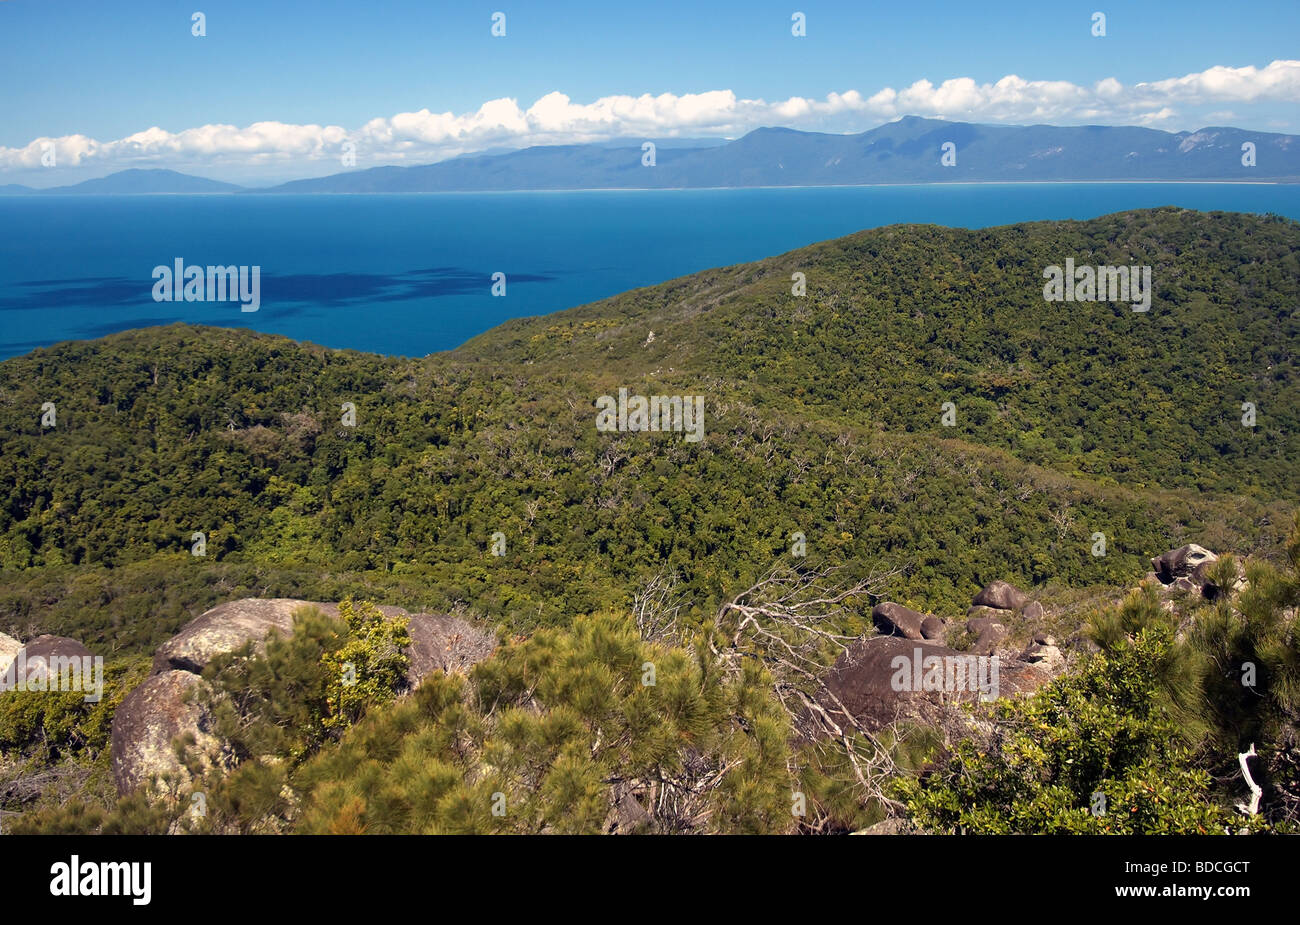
{"x":477,"y":482}
{"x":822,"y":417}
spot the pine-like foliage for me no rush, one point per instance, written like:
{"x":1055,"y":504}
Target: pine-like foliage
{"x":574,"y":731}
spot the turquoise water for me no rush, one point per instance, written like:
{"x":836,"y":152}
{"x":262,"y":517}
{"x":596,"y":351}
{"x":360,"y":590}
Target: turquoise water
{"x":412,"y":274}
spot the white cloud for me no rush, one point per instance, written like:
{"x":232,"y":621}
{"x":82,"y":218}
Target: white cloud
{"x":424,"y":136}
{"x":1279,"y":81}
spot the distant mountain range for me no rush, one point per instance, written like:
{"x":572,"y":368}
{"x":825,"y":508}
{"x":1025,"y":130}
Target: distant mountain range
{"x":129,"y":183}
{"x":910,"y":150}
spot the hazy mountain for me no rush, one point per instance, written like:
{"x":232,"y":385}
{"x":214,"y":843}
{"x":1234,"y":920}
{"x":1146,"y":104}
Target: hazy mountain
{"x":906,"y":151}
{"x":136,"y":181}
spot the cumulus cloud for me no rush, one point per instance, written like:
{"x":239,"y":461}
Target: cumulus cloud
{"x":423,"y":136}
{"x":1279,"y":81}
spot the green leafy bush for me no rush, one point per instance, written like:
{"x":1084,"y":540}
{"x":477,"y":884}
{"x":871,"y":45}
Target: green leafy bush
{"x":1100,"y":734}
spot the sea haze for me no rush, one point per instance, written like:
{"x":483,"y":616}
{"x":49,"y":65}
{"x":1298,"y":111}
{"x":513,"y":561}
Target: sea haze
{"x":412,"y":274}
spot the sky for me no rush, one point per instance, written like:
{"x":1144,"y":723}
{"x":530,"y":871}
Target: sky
{"x":280,"y":89}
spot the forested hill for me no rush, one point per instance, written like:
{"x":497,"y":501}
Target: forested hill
{"x":823,"y":417}
{"x":897,"y":321}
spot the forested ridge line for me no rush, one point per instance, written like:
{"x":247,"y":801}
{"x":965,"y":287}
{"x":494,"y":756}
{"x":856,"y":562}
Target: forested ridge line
{"x":823,"y":417}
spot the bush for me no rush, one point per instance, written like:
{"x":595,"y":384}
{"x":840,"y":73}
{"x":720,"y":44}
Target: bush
{"x":1101,"y":734}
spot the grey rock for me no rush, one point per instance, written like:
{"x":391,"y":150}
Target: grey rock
{"x":438,"y":642}
{"x":1001,"y":595}
{"x":1190,"y":561}
{"x":934,"y":629}
{"x":44,"y":655}
{"x":224,"y":629}
{"x":890,"y":826}
{"x":987,"y":643}
{"x":1048,"y":655}
{"x":8,"y":649}
{"x":862,"y":680}
{"x":146,"y":724}
{"x":893,"y":619}
{"x":978,"y":626}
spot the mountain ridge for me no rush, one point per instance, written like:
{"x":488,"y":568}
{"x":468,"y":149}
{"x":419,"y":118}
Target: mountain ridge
{"x":903,"y":152}
{"x":906,"y":151}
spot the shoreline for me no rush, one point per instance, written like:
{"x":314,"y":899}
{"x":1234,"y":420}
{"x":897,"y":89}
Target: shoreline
{"x":270,"y":191}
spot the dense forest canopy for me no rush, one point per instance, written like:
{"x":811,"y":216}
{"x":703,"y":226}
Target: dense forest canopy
{"x":901,"y":408}
{"x":823,"y":418}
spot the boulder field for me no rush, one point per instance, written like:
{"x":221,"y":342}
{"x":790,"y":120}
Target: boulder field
{"x":874,"y":679}
{"x":864,"y":681}
{"x":164,"y":707}
{"x":906,"y":672}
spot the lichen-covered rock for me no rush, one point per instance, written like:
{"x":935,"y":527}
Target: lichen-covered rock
{"x":224,"y":629}
{"x":228,"y":626}
{"x":8,"y":649}
{"x":978,"y":626}
{"x":1045,"y":653}
{"x":147,"y":722}
{"x":438,"y":641}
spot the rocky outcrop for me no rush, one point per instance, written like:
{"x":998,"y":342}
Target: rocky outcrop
{"x":224,"y":629}
{"x":38,"y":655}
{"x":877,"y":681}
{"x":146,"y":723}
{"x":54,"y":646}
{"x":158,"y":711}
{"x":989,"y":639}
{"x":228,"y":626}
{"x":1043,"y":650}
{"x":982,"y":624}
{"x":987,"y":629}
{"x":437,"y":641}
{"x":1002,"y":596}
{"x":1190,"y":561}
{"x":865,"y":682}
{"x":893,"y":619}
{"x":8,"y":649}
{"x":934,"y":629}
{"x":991,"y":608}
{"x":1187,"y":569}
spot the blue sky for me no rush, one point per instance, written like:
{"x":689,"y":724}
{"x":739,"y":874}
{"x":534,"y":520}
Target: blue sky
{"x":85,"y":75}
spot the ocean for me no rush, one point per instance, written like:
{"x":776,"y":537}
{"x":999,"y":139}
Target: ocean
{"x":413,"y":274}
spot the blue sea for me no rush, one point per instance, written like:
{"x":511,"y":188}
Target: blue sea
{"x":412,"y":274}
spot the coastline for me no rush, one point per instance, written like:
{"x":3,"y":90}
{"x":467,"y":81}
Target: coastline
{"x":271,"y":191}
